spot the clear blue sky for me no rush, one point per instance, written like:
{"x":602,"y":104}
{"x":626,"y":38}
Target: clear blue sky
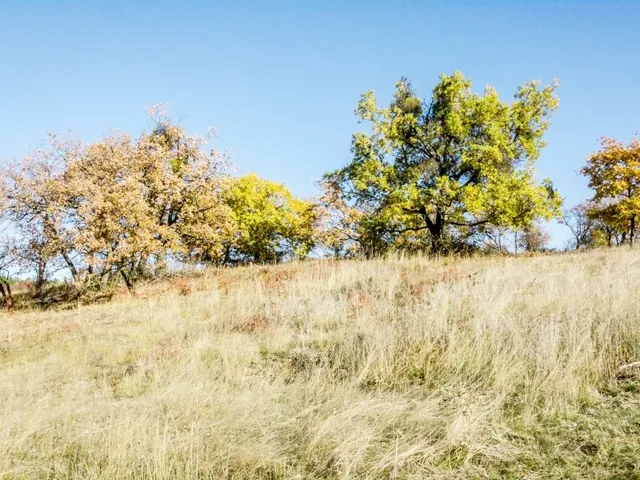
{"x":280,"y":79}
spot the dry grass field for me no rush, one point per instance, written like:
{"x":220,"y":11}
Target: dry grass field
{"x":399,"y":368}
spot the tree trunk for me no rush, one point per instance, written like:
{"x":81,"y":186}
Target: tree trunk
{"x":7,"y":297}
{"x":436,"y":229}
{"x":105,"y":277}
{"x":227,"y":256}
{"x":40,"y":276}
{"x":140,"y":266}
{"x":70,"y":266}
{"x":632,"y":230}
{"x":127,"y":281}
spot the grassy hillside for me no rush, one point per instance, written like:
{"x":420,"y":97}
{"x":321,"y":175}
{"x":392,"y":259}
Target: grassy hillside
{"x":402,"y":368}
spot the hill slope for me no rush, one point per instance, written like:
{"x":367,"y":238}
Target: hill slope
{"x":401,"y":368}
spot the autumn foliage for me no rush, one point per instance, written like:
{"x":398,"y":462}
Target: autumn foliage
{"x":126,"y":208}
{"x":614,"y":175}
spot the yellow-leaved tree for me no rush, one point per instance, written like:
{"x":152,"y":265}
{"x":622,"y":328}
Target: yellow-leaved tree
{"x":614,"y":175}
{"x":269,"y":223}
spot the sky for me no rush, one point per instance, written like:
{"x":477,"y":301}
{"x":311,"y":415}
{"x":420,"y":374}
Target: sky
{"x":280,"y":79}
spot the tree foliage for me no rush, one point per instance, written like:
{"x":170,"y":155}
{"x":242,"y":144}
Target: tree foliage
{"x":438,"y":169}
{"x":269,"y":223}
{"x":614,"y":175}
{"x":36,"y":201}
{"x":124,"y":207}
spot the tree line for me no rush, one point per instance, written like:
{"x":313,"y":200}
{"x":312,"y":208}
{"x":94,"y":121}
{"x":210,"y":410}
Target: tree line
{"x":453,"y":172}
{"x":124,"y":209}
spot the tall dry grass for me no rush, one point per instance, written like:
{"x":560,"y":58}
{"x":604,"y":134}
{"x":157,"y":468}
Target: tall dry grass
{"x":397,"y":368}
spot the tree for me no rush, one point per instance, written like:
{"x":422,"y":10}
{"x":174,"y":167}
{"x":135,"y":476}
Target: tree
{"x":580,"y":220}
{"x":36,"y":202}
{"x":495,"y":239}
{"x":270,"y":224}
{"x":135,"y":201}
{"x":614,"y":175}
{"x":533,"y":238}
{"x":610,"y":223}
{"x":117,"y":229}
{"x":7,"y":262}
{"x":446,"y":166}
{"x":185,"y":185}
{"x":117,"y":207}
{"x":349,"y":231}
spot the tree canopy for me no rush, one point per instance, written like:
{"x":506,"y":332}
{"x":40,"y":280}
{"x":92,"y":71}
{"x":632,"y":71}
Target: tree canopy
{"x":614,"y":175}
{"x":124,"y":207}
{"x":269,"y":223}
{"x":445,"y":166}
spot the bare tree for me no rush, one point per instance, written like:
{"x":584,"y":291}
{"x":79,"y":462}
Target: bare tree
{"x":581,"y":224}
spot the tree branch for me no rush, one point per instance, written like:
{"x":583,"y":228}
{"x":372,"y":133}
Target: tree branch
{"x":474,"y":224}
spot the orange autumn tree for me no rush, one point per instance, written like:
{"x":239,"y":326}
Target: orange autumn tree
{"x":137,"y":202}
{"x":125,"y":207}
{"x":614,"y":175}
{"x":185,"y":185}
{"x":116,"y":231}
{"x":120,"y":208}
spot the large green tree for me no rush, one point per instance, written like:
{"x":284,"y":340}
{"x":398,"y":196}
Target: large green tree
{"x":449,"y":164}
